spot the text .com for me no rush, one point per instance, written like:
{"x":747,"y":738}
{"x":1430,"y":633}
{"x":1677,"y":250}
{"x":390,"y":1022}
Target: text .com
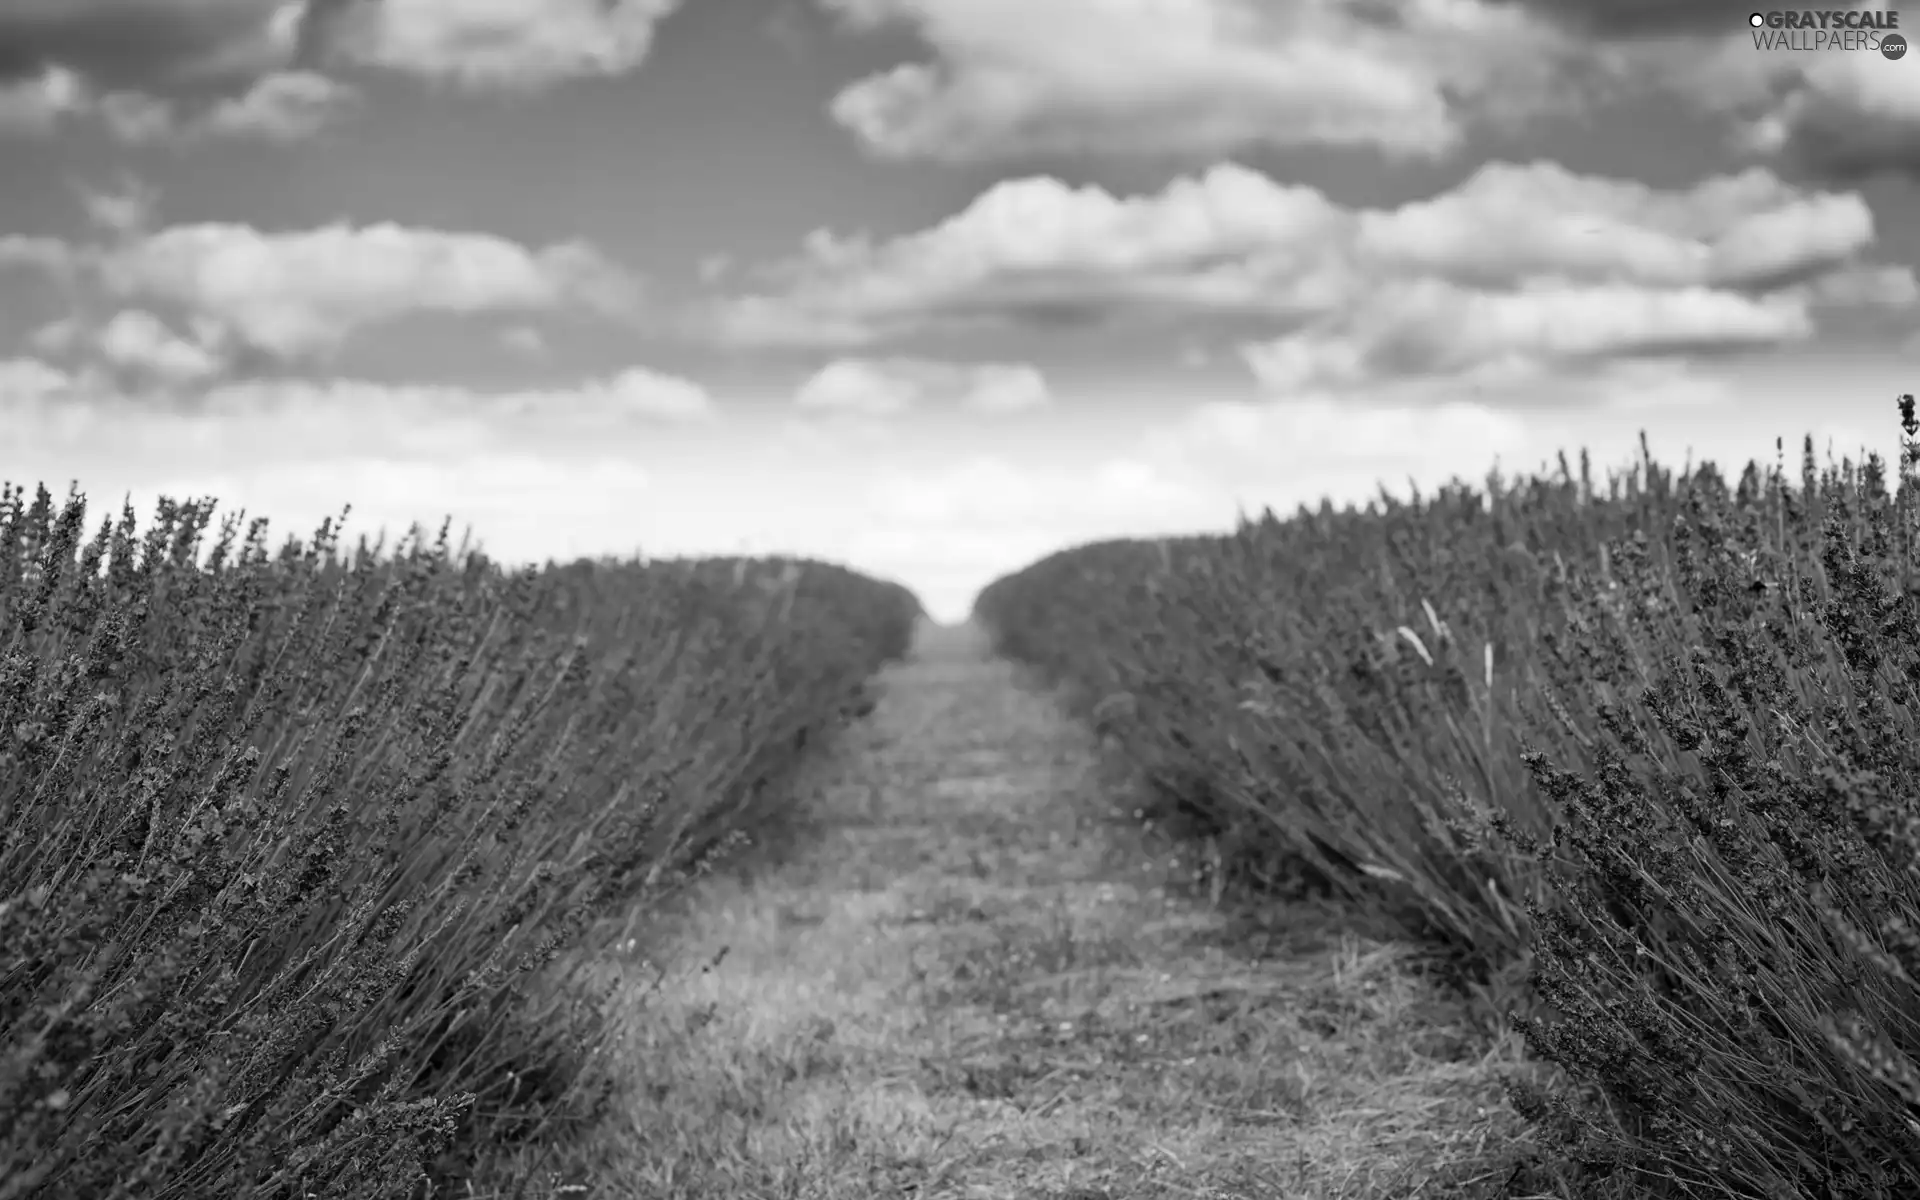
{"x":1828,"y":29}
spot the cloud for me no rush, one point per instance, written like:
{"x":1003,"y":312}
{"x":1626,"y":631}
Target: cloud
{"x":1509,"y":221}
{"x":147,"y":45}
{"x":49,"y":255}
{"x":490,"y":44}
{"x":889,"y":387}
{"x":124,"y":210}
{"x":1428,"y":328}
{"x":633,"y":393}
{"x":29,"y":381}
{"x":1841,"y":115}
{"x":1627,"y":19}
{"x":1519,"y":261}
{"x":1228,"y":240}
{"x":353,"y":412}
{"x":1211,"y":78}
{"x":100,"y":425}
{"x":164,"y":70}
{"x":1194,"y":76}
{"x":283,"y":107}
{"x":139,"y":342}
{"x":524,"y":340}
{"x":1844,"y":116}
{"x":303,"y":293}
{"x":35,"y":104}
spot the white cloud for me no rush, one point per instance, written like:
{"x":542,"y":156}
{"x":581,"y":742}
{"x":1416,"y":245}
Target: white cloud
{"x":280,"y":106}
{"x":998,"y":388}
{"x":1511,"y":221}
{"x":27,"y":382}
{"x":853,"y":386}
{"x":150,"y":44}
{"x":137,"y":118}
{"x":889,"y":387}
{"x":1518,"y":261}
{"x":299,"y":293}
{"x":36,"y":104}
{"x":124,"y":210}
{"x":1841,"y":113}
{"x":50,"y":255}
{"x":1213,"y":77}
{"x":286,"y":106}
{"x":283,"y":107}
{"x":633,"y":393}
{"x":1229,"y":240}
{"x":524,"y":340}
{"x":138,"y":341}
{"x":57,"y":336}
{"x":1428,"y":328}
{"x":514,"y":44}
{"x":1193,"y":76}
{"x":403,"y":413}
{"x":1849,"y":115}
{"x":249,"y":423}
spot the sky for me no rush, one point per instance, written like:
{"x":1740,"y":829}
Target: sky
{"x":931,"y":288}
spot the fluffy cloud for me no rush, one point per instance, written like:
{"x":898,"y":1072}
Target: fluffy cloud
{"x":1519,"y":263}
{"x":633,"y":393}
{"x":1231,"y":240}
{"x":1206,"y":78}
{"x":139,"y":342}
{"x":154,"y":70}
{"x":1194,"y":76}
{"x":1428,"y":328}
{"x":403,"y":414}
{"x":50,"y":255}
{"x":35,"y":104}
{"x":1613,"y":19}
{"x":299,"y":293}
{"x":888,"y":387}
{"x":188,"y":70}
{"x":1843,"y":115}
{"x":259,"y":435}
{"x":29,"y":382}
{"x":524,"y":340}
{"x":148,"y":45}
{"x":517,"y":44}
{"x":286,"y":106}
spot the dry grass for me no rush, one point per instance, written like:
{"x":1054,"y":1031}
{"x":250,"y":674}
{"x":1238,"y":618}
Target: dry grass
{"x":978,"y":978}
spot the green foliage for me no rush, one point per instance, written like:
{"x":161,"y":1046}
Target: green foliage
{"x":287,"y":838}
{"x":1655,"y":746}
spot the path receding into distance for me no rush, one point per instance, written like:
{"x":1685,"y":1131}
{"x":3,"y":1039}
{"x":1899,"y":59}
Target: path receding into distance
{"x":976,"y":978}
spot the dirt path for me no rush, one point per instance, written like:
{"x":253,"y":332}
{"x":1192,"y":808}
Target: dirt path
{"x":978,"y":980}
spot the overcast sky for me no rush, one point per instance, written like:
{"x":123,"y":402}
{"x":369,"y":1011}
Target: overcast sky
{"x":929,"y":287}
